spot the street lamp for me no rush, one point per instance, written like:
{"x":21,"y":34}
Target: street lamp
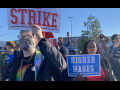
{"x":71,"y":27}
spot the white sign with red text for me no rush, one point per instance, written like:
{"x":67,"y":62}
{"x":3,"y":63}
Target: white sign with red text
{"x":47,"y":18}
{"x":53,"y":41}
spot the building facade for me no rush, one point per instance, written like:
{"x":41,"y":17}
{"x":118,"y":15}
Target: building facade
{"x":74,"y":41}
{"x":2,"y":45}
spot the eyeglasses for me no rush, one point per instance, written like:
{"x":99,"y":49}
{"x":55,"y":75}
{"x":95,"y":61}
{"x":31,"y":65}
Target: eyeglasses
{"x":117,"y":38}
{"x":29,"y":36}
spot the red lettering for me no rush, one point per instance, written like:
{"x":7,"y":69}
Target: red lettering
{"x":38,"y":8}
{"x":46,"y":19}
{"x":30,"y":16}
{"x":39,"y":12}
{"x":11,"y":12}
{"x":22,"y":15}
{"x":54,"y":20}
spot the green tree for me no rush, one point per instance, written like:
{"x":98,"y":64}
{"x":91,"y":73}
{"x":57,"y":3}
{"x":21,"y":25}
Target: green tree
{"x":92,"y":32}
{"x":82,"y":43}
{"x":93,"y":28}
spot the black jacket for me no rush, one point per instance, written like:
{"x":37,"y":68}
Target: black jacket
{"x":53,"y":63}
{"x":63,"y":76}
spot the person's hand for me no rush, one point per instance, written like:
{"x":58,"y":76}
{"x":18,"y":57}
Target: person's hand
{"x":7,"y":79}
{"x":112,"y":55}
{"x":37,"y":31}
{"x":79,"y":78}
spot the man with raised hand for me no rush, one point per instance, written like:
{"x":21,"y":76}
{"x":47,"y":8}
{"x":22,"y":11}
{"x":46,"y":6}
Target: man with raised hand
{"x":60,"y":40}
{"x":32,"y":65}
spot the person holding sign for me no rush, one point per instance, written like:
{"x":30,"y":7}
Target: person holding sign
{"x":33,"y":65}
{"x":115,"y":40}
{"x":92,"y":47}
{"x":115,"y":55}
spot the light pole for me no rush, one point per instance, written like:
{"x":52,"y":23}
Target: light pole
{"x":71,"y":27}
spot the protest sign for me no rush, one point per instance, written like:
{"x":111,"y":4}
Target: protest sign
{"x":53,"y":41}
{"x":89,"y":65}
{"x":47,"y":18}
{"x":117,"y":53}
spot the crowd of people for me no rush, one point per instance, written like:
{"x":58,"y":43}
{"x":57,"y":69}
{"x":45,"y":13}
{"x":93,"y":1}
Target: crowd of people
{"x":25,"y":63}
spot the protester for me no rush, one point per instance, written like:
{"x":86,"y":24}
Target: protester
{"x":115,"y":40}
{"x":92,"y":47}
{"x":103,"y":40}
{"x":64,"y":51}
{"x":30,"y":65}
{"x":61,"y":44}
{"x":9,"y":47}
{"x":7,"y":68}
{"x":17,"y":48}
{"x":60,"y":40}
{"x":64,"y":75}
{"x":115,"y":62}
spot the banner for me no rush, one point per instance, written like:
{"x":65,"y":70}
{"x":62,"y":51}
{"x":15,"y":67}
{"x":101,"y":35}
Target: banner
{"x":89,"y":65}
{"x":53,"y":41}
{"x":47,"y":18}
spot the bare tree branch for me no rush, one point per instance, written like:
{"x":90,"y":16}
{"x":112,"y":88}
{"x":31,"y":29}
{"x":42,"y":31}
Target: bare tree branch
{"x":1,"y":31}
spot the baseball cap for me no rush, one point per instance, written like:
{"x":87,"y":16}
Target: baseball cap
{"x":64,"y":50}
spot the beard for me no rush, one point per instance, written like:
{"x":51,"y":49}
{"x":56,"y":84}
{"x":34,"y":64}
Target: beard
{"x":26,"y":43}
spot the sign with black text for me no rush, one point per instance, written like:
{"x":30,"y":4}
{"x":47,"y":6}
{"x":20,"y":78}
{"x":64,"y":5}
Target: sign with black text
{"x":117,"y":53}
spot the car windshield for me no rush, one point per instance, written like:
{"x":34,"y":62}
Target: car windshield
{"x":71,"y":47}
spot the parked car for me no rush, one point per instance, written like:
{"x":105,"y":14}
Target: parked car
{"x":72,"y":50}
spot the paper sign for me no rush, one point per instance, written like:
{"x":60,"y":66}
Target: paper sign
{"x":47,"y":18}
{"x":53,"y":41}
{"x":89,"y":65}
{"x":117,"y":53}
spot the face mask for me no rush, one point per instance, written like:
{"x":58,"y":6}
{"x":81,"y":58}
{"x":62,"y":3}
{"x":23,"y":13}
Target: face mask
{"x":26,"y":43}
